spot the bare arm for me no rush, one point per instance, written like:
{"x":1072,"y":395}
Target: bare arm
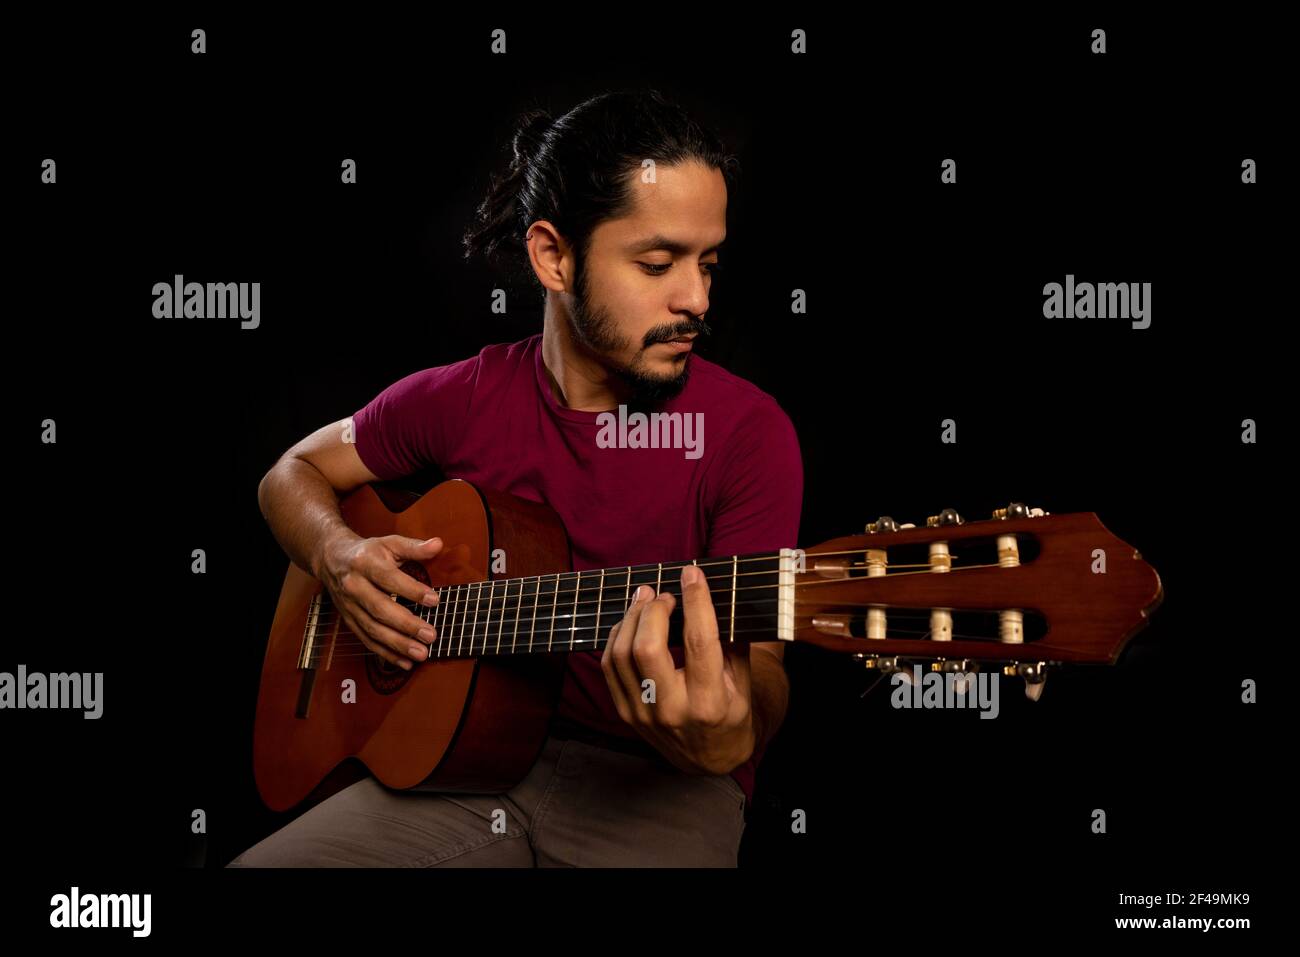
{"x":299,"y":498}
{"x":769,"y":689}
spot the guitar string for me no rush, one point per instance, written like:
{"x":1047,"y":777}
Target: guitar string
{"x":448,"y":629}
{"x":647,"y":569}
{"x":349,"y":638}
{"x":329,"y":646}
{"x":328,"y":607}
{"x":460,"y":606}
{"x":990,"y":640}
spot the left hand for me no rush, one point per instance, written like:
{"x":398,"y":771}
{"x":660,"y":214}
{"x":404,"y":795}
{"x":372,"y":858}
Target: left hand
{"x":700,"y":718}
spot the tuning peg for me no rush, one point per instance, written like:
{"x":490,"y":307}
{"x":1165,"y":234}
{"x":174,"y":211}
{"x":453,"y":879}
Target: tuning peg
{"x":886,"y":664}
{"x":948,"y":516}
{"x":1018,"y":510}
{"x":882,"y":524}
{"x":964,"y":668}
{"x":1035,"y":676}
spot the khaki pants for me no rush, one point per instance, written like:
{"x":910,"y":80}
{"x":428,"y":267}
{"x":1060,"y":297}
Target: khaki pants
{"x":581,"y":805}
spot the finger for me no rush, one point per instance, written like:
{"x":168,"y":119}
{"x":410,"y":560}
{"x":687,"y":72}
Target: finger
{"x":620,"y":649}
{"x":395,"y":626}
{"x":393,"y":639}
{"x":650,"y":651}
{"x":612,"y":679}
{"x":412,"y":548}
{"x":700,"y":636}
{"x":382,"y":606}
{"x":374,"y":646}
{"x":395,"y":580}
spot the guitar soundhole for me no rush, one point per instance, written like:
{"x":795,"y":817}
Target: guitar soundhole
{"x":384,"y":676}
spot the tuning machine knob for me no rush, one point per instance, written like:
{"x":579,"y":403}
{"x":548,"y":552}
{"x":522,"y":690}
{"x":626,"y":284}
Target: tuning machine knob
{"x":948,"y":516}
{"x":886,"y":664}
{"x":963,"y":668}
{"x":1018,"y":510}
{"x":1034,"y":673}
{"x":886,"y":524}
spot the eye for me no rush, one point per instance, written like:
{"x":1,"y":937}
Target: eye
{"x":658,"y":269}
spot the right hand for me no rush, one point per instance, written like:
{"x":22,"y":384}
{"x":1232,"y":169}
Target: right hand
{"x":362,"y":574}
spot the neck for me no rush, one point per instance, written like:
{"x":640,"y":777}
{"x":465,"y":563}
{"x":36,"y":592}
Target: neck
{"x":574,"y":611}
{"x":579,"y":380}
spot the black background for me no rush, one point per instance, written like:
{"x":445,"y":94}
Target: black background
{"x":925,"y":302}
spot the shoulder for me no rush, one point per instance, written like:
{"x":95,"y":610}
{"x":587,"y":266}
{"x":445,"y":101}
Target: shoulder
{"x":491,"y":363}
{"x":742,"y":407}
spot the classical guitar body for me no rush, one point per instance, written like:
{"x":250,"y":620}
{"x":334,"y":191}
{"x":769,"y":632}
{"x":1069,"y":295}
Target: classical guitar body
{"x":458,"y":724}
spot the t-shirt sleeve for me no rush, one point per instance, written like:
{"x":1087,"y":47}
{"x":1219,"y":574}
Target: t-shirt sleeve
{"x":417,"y":421}
{"x":759,"y":487}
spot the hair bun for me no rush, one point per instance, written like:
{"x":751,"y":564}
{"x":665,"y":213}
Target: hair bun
{"x":530,"y":133}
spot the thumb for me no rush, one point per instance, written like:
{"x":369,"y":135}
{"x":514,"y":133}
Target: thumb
{"x":404,"y":547}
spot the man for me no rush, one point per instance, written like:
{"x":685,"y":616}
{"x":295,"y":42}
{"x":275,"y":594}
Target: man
{"x":621,"y":208}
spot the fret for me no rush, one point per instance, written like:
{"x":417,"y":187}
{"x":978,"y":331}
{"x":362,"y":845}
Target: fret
{"x":478,"y":597}
{"x":451,"y":627}
{"x":464,"y":620}
{"x":504,"y":592}
{"x":573,"y":624}
{"x":519,"y":611}
{"x":492,"y":593}
{"x":533,"y":629}
{"x":734,"y":563}
{"x":433,"y":619}
{"x":554,"y":599}
{"x":473,"y":628}
{"x":600,"y":598}
{"x":627,"y":592}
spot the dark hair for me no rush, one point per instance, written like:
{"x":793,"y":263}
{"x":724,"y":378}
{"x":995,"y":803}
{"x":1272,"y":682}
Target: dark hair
{"x":575,"y":170}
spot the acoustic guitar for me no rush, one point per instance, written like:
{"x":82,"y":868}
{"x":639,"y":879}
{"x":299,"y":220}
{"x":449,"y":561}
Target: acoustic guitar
{"x":1025,"y":590}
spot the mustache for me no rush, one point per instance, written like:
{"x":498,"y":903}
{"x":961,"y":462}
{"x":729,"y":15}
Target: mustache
{"x":672,"y":331}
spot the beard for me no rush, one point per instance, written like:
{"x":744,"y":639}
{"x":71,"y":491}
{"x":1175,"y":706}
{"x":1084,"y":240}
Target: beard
{"x":596,"y":330}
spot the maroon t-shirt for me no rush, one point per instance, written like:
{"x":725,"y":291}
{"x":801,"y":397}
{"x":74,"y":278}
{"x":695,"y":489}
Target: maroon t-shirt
{"x":493,"y":421}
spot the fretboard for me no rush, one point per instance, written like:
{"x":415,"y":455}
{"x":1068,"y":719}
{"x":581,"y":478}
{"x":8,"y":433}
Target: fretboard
{"x":574,"y":611}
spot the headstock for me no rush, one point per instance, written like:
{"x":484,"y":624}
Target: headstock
{"x":1024,"y":588}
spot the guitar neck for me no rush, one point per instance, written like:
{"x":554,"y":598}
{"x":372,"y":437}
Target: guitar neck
{"x":574,"y":611}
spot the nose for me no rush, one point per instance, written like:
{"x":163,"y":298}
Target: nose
{"x":693,"y":298}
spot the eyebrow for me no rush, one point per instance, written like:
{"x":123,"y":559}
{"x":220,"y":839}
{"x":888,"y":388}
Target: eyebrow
{"x":663,"y":242}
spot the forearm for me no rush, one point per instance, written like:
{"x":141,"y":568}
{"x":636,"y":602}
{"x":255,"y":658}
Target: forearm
{"x":302,"y":510}
{"x":769,"y":692}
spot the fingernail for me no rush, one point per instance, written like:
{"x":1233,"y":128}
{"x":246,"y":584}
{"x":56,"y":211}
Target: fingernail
{"x":430,"y":598}
{"x":425,"y":634}
{"x":417,"y":651}
{"x":405,"y":663}
{"x":642,"y":592}
{"x":690,"y":575}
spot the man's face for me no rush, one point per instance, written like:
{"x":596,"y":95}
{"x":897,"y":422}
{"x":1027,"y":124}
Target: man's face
{"x":645,"y":280}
